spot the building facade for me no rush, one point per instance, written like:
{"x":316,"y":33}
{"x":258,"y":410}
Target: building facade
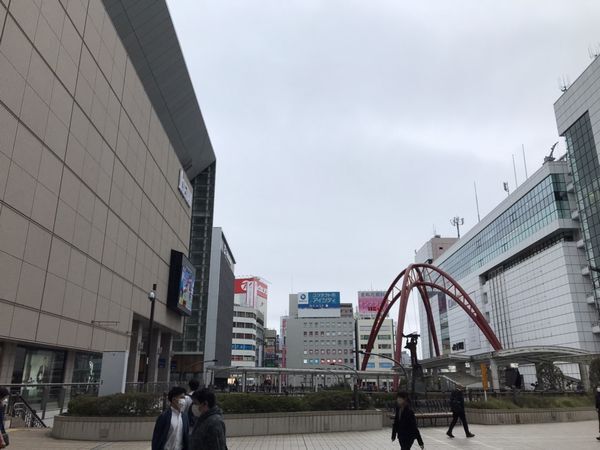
{"x":319,"y":336}
{"x":97,"y":150}
{"x":217,"y":336}
{"x":577,"y":112}
{"x":369,"y":303}
{"x":524,"y":266}
{"x":272,"y":353}
{"x":251,"y":294}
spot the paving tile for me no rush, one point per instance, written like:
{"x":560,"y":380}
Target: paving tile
{"x":575,"y":436}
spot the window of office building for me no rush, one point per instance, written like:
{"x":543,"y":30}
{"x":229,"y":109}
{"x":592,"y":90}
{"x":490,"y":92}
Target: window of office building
{"x":583,"y":157}
{"x":543,"y":204}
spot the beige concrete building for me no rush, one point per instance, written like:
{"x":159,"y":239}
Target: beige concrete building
{"x":97,"y":146}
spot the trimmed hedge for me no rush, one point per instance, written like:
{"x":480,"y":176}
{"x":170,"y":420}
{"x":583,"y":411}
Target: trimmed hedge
{"x":535,"y":402}
{"x":234,"y":403}
{"x":117,"y":405}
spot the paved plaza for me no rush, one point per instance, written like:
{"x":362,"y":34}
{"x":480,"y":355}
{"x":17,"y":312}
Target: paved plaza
{"x":572,"y":436}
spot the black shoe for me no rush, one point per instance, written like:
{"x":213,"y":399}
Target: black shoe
{"x":598,"y":438}
{"x":450,"y":435}
{"x":470,"y":435}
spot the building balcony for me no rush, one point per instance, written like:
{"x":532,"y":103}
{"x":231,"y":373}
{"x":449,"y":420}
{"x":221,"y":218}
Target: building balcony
{"x":575,"y":214}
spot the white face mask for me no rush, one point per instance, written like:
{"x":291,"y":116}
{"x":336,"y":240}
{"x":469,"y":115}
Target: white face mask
{"x":196,"y":411}
{"x":181,"y":403}
{"x":5,"y":401}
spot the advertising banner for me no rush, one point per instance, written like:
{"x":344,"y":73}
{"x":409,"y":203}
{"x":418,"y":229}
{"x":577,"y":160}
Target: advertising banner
{"x":319,"y":304}
{"x":369,"y":302}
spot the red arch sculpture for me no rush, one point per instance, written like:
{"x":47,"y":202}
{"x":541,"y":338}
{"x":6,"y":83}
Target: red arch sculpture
{"x":425,"y":277}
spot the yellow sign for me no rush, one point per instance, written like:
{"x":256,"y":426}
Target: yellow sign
{"x":484,"y":376}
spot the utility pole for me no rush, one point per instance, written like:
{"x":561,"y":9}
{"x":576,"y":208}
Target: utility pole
{"x":457,"y":222}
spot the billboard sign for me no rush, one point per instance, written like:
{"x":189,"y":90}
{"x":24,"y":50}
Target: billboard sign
{"x":369,"y":302}
{"x":184,"y":188}
{"x":319,"y":304}
{"x":182,"y":277}
{"x":252,"y":293}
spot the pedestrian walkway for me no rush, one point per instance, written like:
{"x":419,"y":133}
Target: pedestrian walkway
{"x":559,"y":436}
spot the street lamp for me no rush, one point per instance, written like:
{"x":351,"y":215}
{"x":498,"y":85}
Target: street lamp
{"x":152,"y":299}
{"x":355,"y":389}
{"x":396,"y":368}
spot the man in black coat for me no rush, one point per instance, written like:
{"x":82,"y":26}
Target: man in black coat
{"x":598,"y":407}
{"x":457,"y":405}
{"x":209,"y":429}
{"x":171,"y":431}
{"x":405,"y":424}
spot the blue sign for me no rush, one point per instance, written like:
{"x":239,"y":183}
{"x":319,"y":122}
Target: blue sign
{"x":319,"y":300}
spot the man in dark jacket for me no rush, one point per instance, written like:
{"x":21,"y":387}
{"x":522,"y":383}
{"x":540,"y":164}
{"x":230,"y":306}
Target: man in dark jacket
{"x":598,"y":407}
{"x":171,"y":431}
{"x":457,"y":405}
{"x":405,"y":424}
{"x":209,"y":430}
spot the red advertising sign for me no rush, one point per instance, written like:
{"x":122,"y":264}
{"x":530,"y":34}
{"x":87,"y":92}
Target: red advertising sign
{"x":370,"y":302}
{"x":242,"y":284}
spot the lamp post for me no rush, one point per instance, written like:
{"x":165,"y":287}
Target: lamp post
{"x":152,"y":299}
{"x":396,"y":367}
{"x":355,"y":388}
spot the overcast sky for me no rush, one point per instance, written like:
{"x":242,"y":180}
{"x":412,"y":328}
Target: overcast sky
{"x":347,"y":131}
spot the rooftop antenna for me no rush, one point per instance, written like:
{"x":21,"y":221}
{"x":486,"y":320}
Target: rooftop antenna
{"x":564,"y":83}
{"x":457,"y":222}
{"x":524,"y":161}
{"x":506,"y":188}
{"x":550,"y":157}
{"x":515,"y":171}
{"x":476,"y":201}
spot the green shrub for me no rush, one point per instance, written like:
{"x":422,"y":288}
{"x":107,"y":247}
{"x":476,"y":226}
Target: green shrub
{"x":256,"y":403}
{"x":532,"y":401}
{"x":117,"y":405}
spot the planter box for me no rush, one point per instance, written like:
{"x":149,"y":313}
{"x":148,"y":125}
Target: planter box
{"x":103,"y":428}
{"x":518,"y":416}
{"x":140,"y":428}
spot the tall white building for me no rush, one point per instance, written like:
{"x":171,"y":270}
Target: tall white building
{"x":525,"y":267}
{"x":249,"y":313}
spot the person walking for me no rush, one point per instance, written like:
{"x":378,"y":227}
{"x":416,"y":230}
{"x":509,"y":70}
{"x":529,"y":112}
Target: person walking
{"x":457,"y":405}
{"x":171,"y":431}
{"x":598,"y":408}
{"x":405,"y":424}
{"x":4,"y":395}
{"x":209,"y":430}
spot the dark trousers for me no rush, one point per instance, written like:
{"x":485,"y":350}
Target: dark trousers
{"x":599,"y":421}
{"x":406,"y":445}
{"x":463,"y":419}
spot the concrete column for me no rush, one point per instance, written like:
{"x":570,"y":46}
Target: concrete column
{"x":244,"y":381}
{"x":164,"y":368}
{"x":279,"y":382}
{"x":133,"y":363}
{"x":493,"y":374}
{"x":315,"y":382}
{"x":7,"y":362}
{"x":584,"y":372}
{"x":155,"y":351}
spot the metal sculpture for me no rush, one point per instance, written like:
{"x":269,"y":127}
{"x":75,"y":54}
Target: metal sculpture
{"x":425,"y":278}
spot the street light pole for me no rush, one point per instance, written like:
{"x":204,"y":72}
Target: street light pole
{"x":355,"y":388}
{"x":152,"y":299}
